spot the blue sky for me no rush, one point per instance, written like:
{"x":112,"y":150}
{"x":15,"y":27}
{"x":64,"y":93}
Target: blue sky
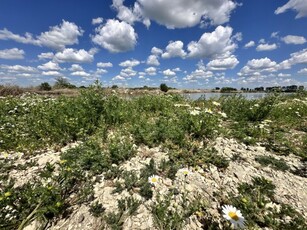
{"x":132,"y":43}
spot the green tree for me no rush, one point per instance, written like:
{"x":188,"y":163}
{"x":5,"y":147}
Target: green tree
{"x":45,"y":86}
{"x":163,"y":87}
{"x":61,"y":82}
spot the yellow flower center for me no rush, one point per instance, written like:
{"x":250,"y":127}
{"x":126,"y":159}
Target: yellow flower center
{"x":154,"y":180}
{"x":233,"y":216}
{"x":185,"y":173}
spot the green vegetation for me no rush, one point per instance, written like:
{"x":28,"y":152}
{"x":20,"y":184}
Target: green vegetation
{"x":163,"y":87}
{"x":258,"y":205}
{"x":45,"y":86}
{"x":109,"y":129}
{"x":228,"y":89}
{"x":275,"y":163}
{"x":62,"y":83}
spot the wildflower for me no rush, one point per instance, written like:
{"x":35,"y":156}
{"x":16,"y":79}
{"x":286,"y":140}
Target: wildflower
{"x":184,"y":171}
{"x":199,"y":214}
{"x":256,"y":105}
{"x":216,"y":103}
{"x":261,"y":126}
{"x":153,"y":179}
{"x":182,"y":105}
{"x":7,"y":194}
{"x":68,"y":169}
{"x":194,"y":112}
{"x":63,"y":161}
{"x":223,"y":114}
{"x":58,"y":204}
{"x":233,"y":215}
{"x":273,"y":206}
{"x":208,"y":111}
{"x":297,"y":113}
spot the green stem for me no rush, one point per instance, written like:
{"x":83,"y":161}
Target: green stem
{"x":25,"y":221}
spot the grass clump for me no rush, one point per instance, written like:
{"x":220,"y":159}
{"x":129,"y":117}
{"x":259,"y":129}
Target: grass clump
{"x":273,"y":162}
{"x":126,"y":207}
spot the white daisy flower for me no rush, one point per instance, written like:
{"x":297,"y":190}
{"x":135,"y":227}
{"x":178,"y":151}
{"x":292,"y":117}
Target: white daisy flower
{"x":216,"y":103}
{"x":184,"y":171}
{"x":208,"y":111}
{"x":223,"y":114}
{"x":194,"y":112}
{"x":233,"y":215}
{"x":153,"y":179}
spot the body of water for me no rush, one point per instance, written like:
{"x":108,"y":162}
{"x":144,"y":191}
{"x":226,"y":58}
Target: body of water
{"x":250,"y":96}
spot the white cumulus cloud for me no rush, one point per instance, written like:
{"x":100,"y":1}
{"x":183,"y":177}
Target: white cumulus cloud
{"x":60,"y":36}
{"x":299,"y":57}
{"x":49,"y":66}
{"x":129,"y":63}
{"x":115,"y":36}
{"x":56,"y":38}
{"x":104,"y":65}
{"x":12,"y":54}
{"x":174,"y":49}
{"x":213,"y":45}
{"x":255,"y":66}
{"x":18,"y":69}
{"x":284,"y":75}
{"x":183,"y":13}
{"x":292,"y":39}
{"x":43,"y":56}
{"x":223,"y":64}
{"x":302,"y":71}
{"x":266,"y":47}
{"x":80,"y":74}
{"x":169,"y":73}
{"x":118,"y":77}
{"x":98,"y":20}
{"x":298,"y":5}
{"x":151,"y":71}
{"x":198,"y":74}
{"x":128,"y":72}
{"x":72,"y":55}
{"x":52,"y":73}
{"x":153,"y":60}
{"x":156,"y":51}
{"x":249,"y":44}
{"x":130,"y":15}
{"x":76,"y":67}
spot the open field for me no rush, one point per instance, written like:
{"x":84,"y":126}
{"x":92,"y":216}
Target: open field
{"x":84,"y":162}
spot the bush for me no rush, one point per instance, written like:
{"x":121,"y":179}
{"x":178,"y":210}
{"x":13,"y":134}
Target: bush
{"x":12,"y":90}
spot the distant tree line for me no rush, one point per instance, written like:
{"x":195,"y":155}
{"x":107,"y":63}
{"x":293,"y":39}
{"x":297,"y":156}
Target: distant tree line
{"x":290,"y":88}
{"x":227,"y":89}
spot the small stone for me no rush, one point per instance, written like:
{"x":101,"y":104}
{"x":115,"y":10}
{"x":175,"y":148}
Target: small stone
{"x":81,"y":218}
